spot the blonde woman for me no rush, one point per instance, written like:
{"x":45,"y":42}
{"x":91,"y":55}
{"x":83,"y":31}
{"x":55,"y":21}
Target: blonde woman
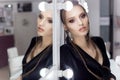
{"x":39,"y":53}
{"x":85,"y":55}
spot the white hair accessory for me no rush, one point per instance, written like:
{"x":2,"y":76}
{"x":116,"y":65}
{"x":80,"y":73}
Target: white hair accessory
{"x":84,"y":4}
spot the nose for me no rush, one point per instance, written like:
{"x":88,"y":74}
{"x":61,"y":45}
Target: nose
{"x":41,"y":22}
{"x":80,"y":22}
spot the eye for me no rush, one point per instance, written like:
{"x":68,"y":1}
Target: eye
{"x":50,"y":21}
{"x":71,"y":21}
{"x":83,"y":15}
{"x":40,"y":16}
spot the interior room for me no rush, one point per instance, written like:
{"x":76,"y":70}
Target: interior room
{"x":18,"y":21}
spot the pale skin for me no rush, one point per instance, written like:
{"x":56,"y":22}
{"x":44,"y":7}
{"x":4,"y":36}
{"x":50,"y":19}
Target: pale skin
{"x":77,"y":23}
{"x":78,"y":18}
{"x":44,"y":29}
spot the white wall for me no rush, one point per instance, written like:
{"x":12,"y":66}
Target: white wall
{"x":94,"y":14}
{"x":23,"y":34}
{"x":116,"y":29}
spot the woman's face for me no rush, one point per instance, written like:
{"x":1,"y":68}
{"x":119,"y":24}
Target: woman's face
{"x":76,"y":21}
{"x":44,"y":24}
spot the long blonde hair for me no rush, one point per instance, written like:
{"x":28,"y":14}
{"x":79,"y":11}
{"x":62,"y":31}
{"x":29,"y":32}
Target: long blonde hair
{"x":62,"y":16}
{"x":88,"y":40}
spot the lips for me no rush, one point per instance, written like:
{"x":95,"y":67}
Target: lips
{"x":40,"y":29}
{"x":82,"y":29}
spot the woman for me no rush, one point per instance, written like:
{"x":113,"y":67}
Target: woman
{"x":39,"y":53}
{"x":85,"y":55}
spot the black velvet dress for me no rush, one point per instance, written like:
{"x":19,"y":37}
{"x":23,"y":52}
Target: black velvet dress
{"x":69,"y":58}
{"x":84,"y":66}
{"x":31,"y":70}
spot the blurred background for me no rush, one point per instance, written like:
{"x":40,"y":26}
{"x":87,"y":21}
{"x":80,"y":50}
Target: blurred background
{"x":18,"y":20}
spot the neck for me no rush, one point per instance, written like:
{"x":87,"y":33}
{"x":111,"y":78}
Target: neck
{"x":81,"y":41}
{"x":46,"y":41}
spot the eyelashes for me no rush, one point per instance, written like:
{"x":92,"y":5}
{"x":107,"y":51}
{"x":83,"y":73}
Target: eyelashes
{"x":71,"y":21}
{"x":81,"y":16}
{"x":40,"y":16}
{"x":49,"y":20}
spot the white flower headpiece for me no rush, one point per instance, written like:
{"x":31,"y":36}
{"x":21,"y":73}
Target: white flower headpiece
{"x":84,"y":4}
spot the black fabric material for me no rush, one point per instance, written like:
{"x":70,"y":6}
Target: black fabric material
{"x":43,"y":59}
{"x":68,"y":59}
{"x":71,"y":59}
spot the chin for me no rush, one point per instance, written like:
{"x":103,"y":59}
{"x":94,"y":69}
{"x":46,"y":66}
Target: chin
{"x":39,"y":34}
{"x":84,"y":33}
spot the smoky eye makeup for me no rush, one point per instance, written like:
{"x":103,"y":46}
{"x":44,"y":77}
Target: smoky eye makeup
{"x":83,"y":15}
{"x":50,"y":21}
{"x":71,"y":20}
{"x":40,"y":16}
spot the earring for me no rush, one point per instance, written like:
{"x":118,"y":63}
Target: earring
{"x":68,"y":39}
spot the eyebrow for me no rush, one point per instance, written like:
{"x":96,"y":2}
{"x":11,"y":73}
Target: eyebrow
{"x":69,"y":18}
{"x":43,"y":16}
{"x":73,"y":16}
